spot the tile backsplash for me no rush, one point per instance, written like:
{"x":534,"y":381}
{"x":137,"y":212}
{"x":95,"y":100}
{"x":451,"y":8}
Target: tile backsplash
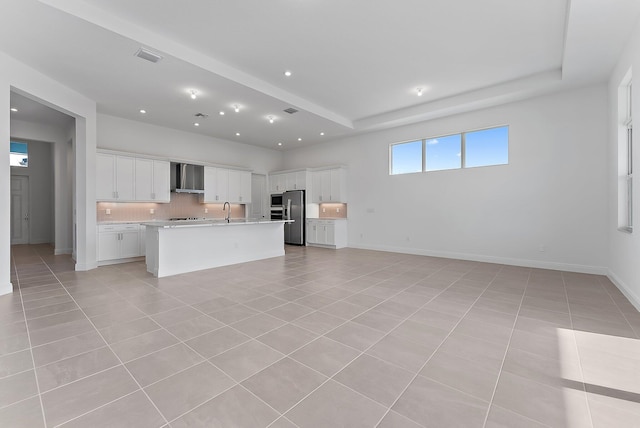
{"x":182,"y":205}
{"x":333,"y":211}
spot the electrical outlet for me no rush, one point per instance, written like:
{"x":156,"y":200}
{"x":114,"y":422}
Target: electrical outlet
{"x":107,"y":211}
{"x":152,"y":211}
{"x":324,"y":210}
{"x":337,"y":210}
{"x":206,"y":210}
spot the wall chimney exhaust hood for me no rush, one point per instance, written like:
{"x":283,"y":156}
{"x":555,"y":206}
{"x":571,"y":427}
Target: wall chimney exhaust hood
{"x":187,"y":178}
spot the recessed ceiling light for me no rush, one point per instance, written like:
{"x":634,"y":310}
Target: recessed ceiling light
{"x":322,"y":133}
{"x":299,"y":139}
{"x":419,"y":90}
{"x":236,"y":107}
{"x":237,"y":134}
{"x":143,"y":111}
{"x":279,"y":144}
{"x":270,"y":119}
{"x":193,"y":93}
{"x":287,"y":73}
{"x":221,"y":113}
{"x":13,"y":109}
{"x":196,"y":124}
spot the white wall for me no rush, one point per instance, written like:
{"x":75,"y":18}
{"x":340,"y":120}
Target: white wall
{"x":552,"y":192}
{"x":40,"y":173}
{"x":624,"y":248}
{"x":115,"y":133}
{"x":27,"y":81}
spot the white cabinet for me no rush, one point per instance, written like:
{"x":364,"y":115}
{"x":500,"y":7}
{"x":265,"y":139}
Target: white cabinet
{"x":281,"y":182}
{"x":152,"y":180}
{"x":216,"y":185}
{"x":277,"y":183}
{"x":239,"y":187}
{"x":130,"y":179}
{"x":115,"y":177}
{"x":329,"y":185}
{"x":161,"y":181}
{"x":118,"y":241}
{"x":226,"y":185}
{"x":327,"y":233}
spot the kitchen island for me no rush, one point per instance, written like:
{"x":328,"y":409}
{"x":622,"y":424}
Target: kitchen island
{"x":174,"y":247}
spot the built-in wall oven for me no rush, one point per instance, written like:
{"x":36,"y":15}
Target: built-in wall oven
{"x":276,"y":206}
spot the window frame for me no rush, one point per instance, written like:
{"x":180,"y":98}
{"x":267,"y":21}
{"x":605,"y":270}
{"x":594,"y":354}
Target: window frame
{"x":463,"y":157}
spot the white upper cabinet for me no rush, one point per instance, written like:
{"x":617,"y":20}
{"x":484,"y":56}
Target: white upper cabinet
{"x":226,"y":185}
{"x":216,"y":185}
{"x":115,"y":177}
{"x":239,"y":187}
{"x":105,"y":177}
{"x":281,"y":182}
{"x":144,"y":179}
{"x":277,"y":183}
{"x":161,"y":181}
{"x":329,"y":185}
{"x":153,"y":180}
{"x":130,"y":179}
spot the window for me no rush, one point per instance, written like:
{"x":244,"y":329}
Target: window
{"x":486,"y":147}
{"x":406,"y":157}
{"x":18,"y":155}
{"x":444,"y":153}
{"x":625,"y":155}
{"x":471,"y":149}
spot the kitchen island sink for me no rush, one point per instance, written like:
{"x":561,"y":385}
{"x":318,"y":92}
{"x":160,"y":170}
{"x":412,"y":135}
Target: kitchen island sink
{"x":175,"y":247}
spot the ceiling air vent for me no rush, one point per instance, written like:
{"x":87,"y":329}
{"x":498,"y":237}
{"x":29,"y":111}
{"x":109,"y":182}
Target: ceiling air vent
{"x":202,"y":115}
{"x":148,"y":55}
{"x":290,"y":110}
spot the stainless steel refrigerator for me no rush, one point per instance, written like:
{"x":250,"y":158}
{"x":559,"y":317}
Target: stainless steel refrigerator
{"x":293,"y":209}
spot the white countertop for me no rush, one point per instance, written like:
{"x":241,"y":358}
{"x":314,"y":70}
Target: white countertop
{"x":212,"y":222}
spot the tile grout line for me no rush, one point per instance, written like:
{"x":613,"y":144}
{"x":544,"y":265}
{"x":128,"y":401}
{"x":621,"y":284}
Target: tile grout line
{"x":280,"y":359}
{"x":109,"y":346}
{"x":506,"y":351}
{"x":577,"y":348}
{"x":436,"y":350}
{"x":35,"y":376}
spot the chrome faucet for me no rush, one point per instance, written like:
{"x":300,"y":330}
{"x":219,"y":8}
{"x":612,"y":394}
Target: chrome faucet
{"x":224,"y":208}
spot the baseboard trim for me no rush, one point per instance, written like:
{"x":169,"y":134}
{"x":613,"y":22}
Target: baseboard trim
{"x":58,"y":252}
{"x":6,"y":289}
{"x":624,"y":289}
{"x":538,"y":264}
{"x":86,"y":266}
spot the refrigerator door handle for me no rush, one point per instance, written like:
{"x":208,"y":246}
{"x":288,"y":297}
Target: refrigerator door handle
{"x":288,"y":214}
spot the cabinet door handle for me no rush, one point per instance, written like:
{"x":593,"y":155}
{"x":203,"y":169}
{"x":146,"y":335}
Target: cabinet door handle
{"x":240,"y":198}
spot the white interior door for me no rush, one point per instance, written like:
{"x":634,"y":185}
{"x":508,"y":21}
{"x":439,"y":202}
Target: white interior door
{"x":258,"y":196}
{"x":19,"y":209}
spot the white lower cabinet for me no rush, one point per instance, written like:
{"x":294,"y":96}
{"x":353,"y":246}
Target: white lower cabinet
{"x":119,"y":241}
{"x":327,"y":233}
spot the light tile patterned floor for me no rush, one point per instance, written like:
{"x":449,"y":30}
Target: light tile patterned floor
{"x":318,"y":338}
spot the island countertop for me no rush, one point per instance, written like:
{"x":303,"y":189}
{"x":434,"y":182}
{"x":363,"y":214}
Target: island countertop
{"x":181,"y":246}
{"x":212,"y":222}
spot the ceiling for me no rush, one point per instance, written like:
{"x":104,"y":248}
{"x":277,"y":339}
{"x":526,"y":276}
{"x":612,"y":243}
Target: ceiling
{"x":356,"y":65}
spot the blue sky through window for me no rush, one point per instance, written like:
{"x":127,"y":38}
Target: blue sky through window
{"x":444,"y":153}
{"x":406,"y":157}
{"x":487,"y":147}
{"x":18,"y":155}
